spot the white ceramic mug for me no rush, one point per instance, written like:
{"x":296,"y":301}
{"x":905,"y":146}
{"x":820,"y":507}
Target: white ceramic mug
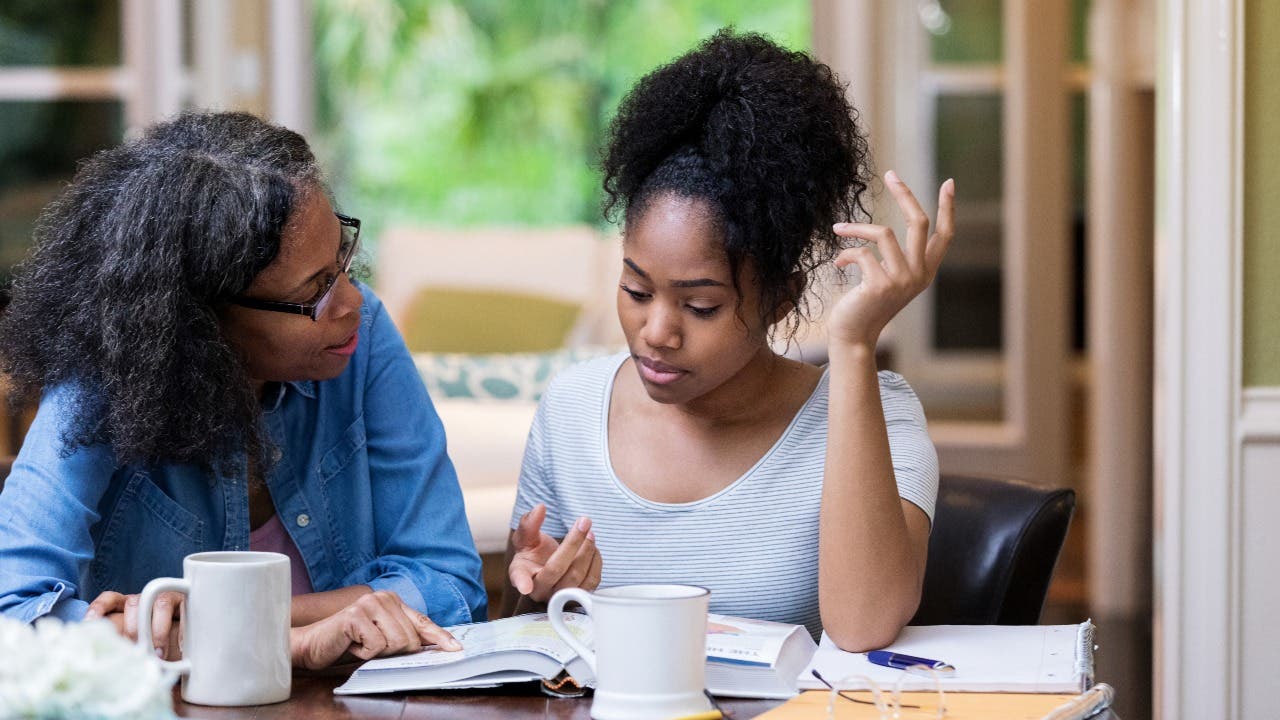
{"x":650,"y":648}
{"x":235,"y":627}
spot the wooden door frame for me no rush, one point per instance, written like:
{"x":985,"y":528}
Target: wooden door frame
{"x":1199,"y":250}
{"x":1030,"y":441}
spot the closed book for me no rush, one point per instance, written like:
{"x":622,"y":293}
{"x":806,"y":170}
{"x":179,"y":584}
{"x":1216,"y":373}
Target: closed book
{"x":755,"y":658}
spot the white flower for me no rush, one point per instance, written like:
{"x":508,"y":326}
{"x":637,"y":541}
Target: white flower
{"x":79,"y":670}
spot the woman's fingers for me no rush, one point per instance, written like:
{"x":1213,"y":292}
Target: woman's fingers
{"x":578,"y":570}
{"x":546,"y":579}
{"x":894,"y":261}
{"x":528,"y":533}
{"x":379,"y":623}
{"x":532,"y":547}
{"x":163,"y":613}
{"x":945,"y":231}
{"x":106,"y":603}
{"x":873,"y":273}
{"x":131,"y":616}
{"x":596,"y":572}
{"x":915,"y":217}
{"x":384,"y":609}
{"x":521,"y":572}
{"x":430,"y":633}
{"x":366,"y":637}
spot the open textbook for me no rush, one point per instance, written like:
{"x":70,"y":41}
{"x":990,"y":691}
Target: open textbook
{"x":754,"y":658}
{"x":745,"y":658}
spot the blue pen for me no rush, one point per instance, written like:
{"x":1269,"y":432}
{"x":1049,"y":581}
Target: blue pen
{"x":902,"y":662}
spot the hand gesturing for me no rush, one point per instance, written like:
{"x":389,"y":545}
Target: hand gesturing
{"x":892,"y":282}
{"x":541,"y":565}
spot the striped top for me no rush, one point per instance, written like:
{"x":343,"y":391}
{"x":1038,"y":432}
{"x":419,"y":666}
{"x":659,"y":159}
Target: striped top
{"x":754,"y":544}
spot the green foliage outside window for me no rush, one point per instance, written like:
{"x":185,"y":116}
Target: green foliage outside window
{"x":492,"y":112}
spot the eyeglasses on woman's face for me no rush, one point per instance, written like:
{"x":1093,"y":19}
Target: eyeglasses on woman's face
{"x":348,"y":246}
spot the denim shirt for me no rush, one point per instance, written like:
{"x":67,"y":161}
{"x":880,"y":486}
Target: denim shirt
{"x":361,"y":482}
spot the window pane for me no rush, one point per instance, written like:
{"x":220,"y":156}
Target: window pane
{"x":1080,"y":30}
{"x":967,"y":310}
{"x":40,"y":143}
{"x":1079,"y":227}
{"x":964,"y":31}
{"x":59,"y":32}
{"x":510,"y":101}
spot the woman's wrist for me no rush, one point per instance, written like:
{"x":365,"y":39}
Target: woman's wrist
{"x":852,"y":353}
{"x":314,"y":607}
{"x":299,"y":649}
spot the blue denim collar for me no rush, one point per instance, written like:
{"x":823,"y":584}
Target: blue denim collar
{"x":271,"y":403}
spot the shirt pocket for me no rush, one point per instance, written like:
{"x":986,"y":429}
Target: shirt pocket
{"x":147,"y":535}
{"x":350,"y":443}
{"x":343,"y":494}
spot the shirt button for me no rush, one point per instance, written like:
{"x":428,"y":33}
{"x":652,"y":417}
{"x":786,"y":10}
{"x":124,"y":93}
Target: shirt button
{"x":276,"y":454}
{"x":304,"y":520}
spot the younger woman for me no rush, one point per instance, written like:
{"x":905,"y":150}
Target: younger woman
{"x":795,"y":493}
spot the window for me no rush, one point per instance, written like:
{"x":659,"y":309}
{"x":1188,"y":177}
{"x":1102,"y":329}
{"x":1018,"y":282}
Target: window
{"x":472,"y":113}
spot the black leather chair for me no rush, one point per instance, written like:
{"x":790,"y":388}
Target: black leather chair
{"x":992,"y":551}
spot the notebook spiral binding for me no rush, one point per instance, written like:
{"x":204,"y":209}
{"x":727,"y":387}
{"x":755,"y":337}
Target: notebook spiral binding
{"x":1084,"y":653}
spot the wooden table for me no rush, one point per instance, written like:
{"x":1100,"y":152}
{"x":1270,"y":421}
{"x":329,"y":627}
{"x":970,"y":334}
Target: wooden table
{"x":313,"y":698}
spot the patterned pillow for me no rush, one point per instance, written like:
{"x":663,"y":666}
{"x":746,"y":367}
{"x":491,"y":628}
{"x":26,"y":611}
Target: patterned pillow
{"x":499,"y":376}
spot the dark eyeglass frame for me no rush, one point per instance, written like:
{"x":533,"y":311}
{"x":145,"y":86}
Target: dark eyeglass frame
{"x":847,"y":696}
{"x":314,"y":308}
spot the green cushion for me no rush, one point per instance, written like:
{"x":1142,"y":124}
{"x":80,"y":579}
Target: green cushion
{"x":502,"y":376}
{"x":455,"y":320}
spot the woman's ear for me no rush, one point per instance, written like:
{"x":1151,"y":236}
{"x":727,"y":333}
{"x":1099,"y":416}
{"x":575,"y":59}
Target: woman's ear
{"x":796,"y":284}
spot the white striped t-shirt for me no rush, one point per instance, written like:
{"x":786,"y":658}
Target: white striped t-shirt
{"x":754,"y":544}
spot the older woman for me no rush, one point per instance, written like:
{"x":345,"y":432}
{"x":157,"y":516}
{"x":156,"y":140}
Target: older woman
{"x":212,"y":379}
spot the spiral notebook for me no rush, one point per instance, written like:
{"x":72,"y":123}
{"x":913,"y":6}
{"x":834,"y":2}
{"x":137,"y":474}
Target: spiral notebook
{"x":987,"y":658}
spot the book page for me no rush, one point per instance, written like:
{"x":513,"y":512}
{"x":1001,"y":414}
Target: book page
{"x":532,"y":632}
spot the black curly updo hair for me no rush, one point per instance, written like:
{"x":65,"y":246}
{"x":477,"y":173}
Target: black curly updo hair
{"x":132,"y":263}
{"x":765,"y":137}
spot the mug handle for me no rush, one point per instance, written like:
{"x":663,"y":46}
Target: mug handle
{"x":145,"y":603}
{"x":555,"y":612}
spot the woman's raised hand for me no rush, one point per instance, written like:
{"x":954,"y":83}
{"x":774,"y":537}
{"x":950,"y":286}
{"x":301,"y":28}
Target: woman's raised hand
{"x":375,"y":625}
{"x":888,"y":284}
{"x":541,"y":565}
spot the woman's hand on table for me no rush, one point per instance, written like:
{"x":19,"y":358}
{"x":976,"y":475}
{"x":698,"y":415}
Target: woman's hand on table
{"x":375,"y":625}
{"x":541,"y":565}
{"x":122,"y":611}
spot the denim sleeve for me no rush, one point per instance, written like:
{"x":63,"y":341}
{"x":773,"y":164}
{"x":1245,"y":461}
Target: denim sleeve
{"x":425,"y":550}
{"x":49,"y":503}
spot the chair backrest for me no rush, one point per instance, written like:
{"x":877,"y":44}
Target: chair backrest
{"x":992,"y":550}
